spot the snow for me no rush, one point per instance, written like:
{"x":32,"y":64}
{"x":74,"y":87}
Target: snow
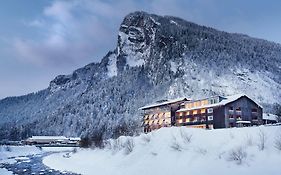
{"x":167,"y":151}
{"x":165,"y":102}
{"x":48,"y":137}
{"x":112,"y":65}
{"x":133,"y":58}
{"x":134,"y":61}
{"x":173,"y":22}
{"x":174,"y":67}
{"x":154,"y":21}
{"x":17,"y":151}
{"x":268,"y":116}
{"x":5,"y":172}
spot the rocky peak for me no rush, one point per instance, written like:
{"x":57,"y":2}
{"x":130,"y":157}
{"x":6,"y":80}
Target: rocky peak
{"x":136,"y":36}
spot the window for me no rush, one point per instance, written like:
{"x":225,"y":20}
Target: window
{"x":231,"y":108}
{"x":231,"y":116}
{"x":210,"y":117}
{"x":180,"y":121}
{"x":194,"y":112}
{"x":254,"y":117}
{"x":203,"y":111}
{"x":238,"y":109}
{"x":210,"y":110}
{"x":146,"y":117}
{"x":204,"y":102}
{"x":239,"y":117}
{"x":203,"y":118}
{"x":187,"y":120}
{"x":254,"y":110}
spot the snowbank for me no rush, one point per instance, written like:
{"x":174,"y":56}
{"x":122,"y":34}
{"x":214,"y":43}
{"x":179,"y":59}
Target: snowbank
{"x":180,"y":151}
{"x":8,"y":152}
{"x":5,"y":172}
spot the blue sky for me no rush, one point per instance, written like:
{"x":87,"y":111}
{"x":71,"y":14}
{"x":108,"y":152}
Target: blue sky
{"x":42,"y":38}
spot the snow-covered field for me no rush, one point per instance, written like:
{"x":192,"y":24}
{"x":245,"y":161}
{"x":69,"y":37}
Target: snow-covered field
{"x":179,"y":151}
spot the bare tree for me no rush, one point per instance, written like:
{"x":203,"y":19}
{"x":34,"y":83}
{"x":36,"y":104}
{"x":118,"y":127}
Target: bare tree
{"x":238,"y":155}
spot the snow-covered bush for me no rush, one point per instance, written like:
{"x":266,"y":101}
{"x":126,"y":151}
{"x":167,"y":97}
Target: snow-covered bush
{"x":129,"y":145}
{"x":115,"y":145}
{"x":237,"y":155}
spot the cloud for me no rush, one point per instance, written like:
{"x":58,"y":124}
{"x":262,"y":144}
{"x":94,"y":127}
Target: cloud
{"x":83,"y":31}
{"x":72,"y":32}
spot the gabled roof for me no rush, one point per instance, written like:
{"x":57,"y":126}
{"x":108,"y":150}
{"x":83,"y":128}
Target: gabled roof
{"x":225,"y":101}
{"x":165,"y":103}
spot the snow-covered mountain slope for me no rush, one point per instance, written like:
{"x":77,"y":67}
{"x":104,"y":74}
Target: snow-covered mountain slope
{"x":181,"y":151}
{"x":156,"y":57}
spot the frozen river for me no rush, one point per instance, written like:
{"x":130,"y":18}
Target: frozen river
{"x":20,"y":162}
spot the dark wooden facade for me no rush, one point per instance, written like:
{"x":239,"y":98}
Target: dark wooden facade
{"x":219,"y":112}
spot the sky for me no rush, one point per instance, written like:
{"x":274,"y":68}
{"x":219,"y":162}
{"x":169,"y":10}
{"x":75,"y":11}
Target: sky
{"x":41,"y":39}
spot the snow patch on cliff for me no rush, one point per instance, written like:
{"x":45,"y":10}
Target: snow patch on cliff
{"x":112,"y":65}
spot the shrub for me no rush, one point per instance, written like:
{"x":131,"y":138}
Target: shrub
{"x":86,"y":142}
{"x":277,"y":142}
{"x":238,"y":155}
{"x":129,"y":145}
{"x":202,"y":151}
{"x":262,"y":140}
{"x":175,"y":145}
{"x":185,"y":136}
{"x":74,"y":150}
{"x":249,"y":140}
{"x":146,"y":138}
{"x":116,"y":145}
{"x":8,"y":149}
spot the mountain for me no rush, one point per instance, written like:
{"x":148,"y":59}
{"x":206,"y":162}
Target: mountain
{"x":156,"y":57}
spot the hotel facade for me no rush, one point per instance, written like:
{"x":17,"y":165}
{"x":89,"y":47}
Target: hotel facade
{"x":210,"y":113}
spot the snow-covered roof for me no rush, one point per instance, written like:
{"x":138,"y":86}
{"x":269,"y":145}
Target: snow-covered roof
{"x":243,"y":122}
{"x":48,"y":137}
{"x":164,"y":103}
{"x":226,"y":100}
{"x":75,"y":138}
{"x":267,"y":116}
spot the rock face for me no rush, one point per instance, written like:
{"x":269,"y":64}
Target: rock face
{"x":156,"y":58}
